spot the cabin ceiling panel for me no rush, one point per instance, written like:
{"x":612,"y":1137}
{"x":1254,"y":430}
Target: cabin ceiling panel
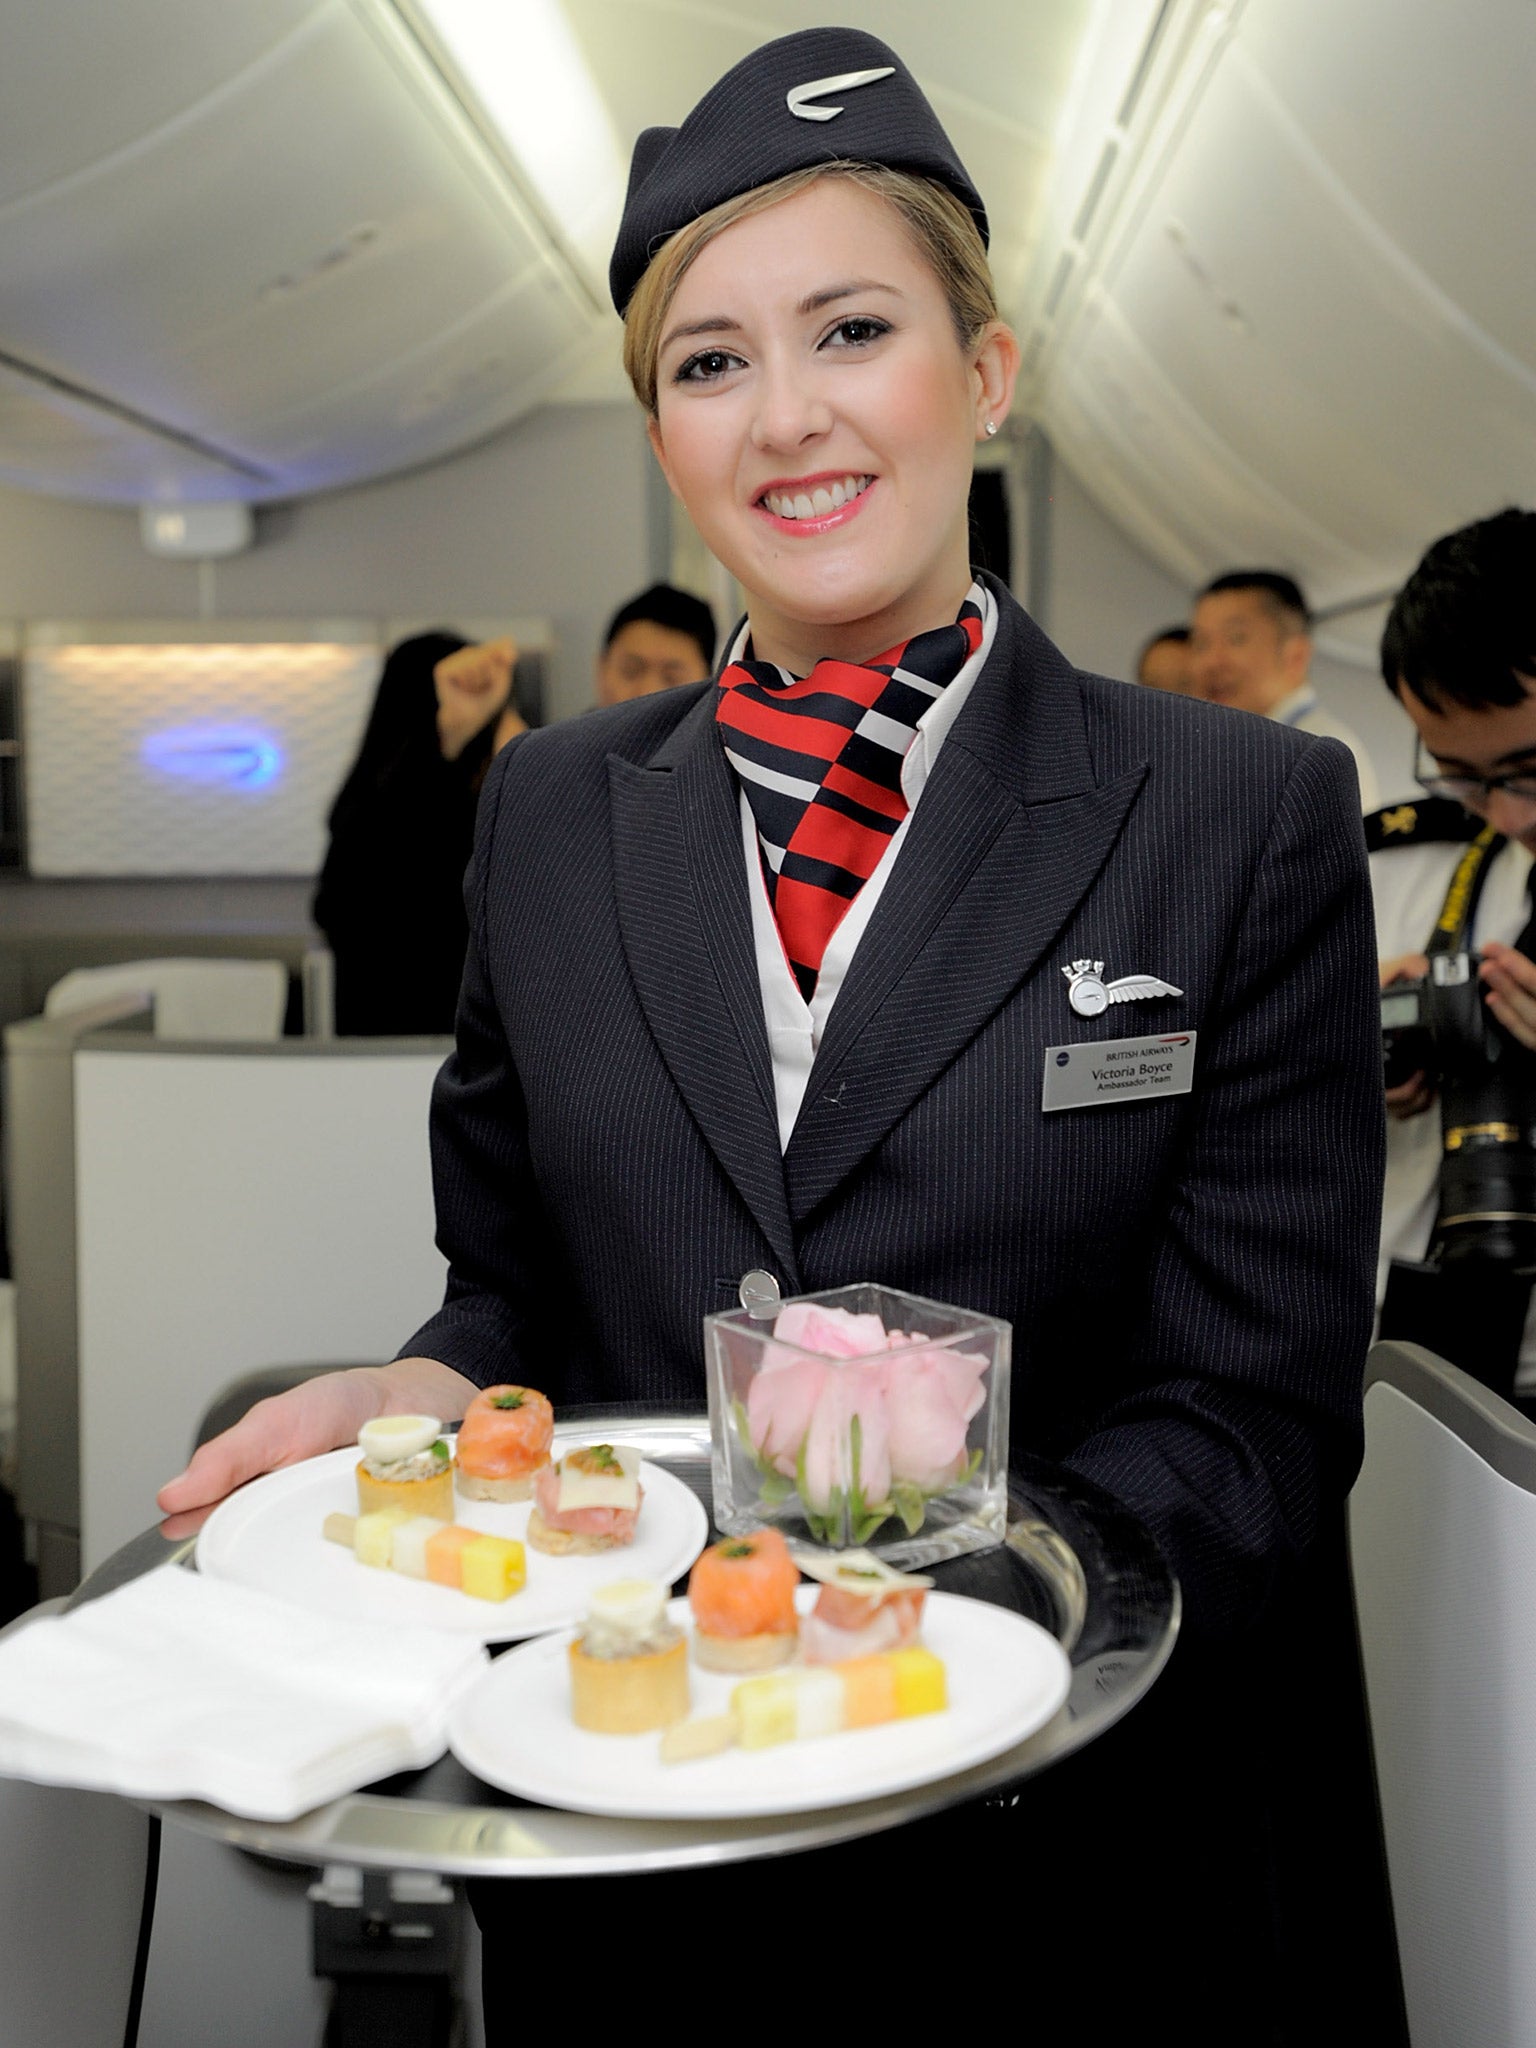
{"x":1308,"y":348}
{"x":82,"y":80}
{"x":49,"y":443}
{"x":465,"y":386}
{"x":1303,"y":295}
{"x":315,"y":233}
{"x":1423,"y":114}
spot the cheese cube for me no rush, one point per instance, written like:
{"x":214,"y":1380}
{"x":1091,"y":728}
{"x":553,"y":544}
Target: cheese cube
{"x":373,"y":1536}
{"x":920,"y":1685}
{"x":444,"y":1552}
{"x":409,"y":1555}
{"x":818,"y":1704}
{"x":494,"y":1567}
{"x":765,"y":1712}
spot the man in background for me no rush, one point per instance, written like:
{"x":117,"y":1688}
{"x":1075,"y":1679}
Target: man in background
{"x":1459,"y":655}
{"x":1251,"y":647}
{"x":658,"y":639}
{"x":1163,"y":663}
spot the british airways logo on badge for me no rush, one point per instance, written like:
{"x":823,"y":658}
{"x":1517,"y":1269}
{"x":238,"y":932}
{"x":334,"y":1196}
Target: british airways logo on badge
{"x":798,"y":98}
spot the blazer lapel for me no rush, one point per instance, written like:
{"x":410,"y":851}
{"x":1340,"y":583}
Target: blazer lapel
{"x":1007,"y":839}
{"x":686,"y":924}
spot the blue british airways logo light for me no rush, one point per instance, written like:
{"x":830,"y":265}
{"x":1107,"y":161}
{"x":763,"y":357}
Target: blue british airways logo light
{"x":223,"y":756}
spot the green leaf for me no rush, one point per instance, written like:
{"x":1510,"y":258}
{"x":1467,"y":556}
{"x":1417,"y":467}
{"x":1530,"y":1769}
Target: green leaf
{"x":909,"y":1505}
{"x":856,"y":1506}
{"x":744,"y":1432}
{"x":863,"y":1530}
{"x":775,"y":1488}
{"x":440,"y":1451}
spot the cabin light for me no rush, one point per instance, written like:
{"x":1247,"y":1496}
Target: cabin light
{"x":524,"y":66}
{"x":219,"y":756}
{"x":201,"y":531}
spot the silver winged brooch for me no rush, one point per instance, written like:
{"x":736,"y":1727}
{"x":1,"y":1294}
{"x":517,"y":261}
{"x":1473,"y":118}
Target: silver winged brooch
{"x":1090,"y":995}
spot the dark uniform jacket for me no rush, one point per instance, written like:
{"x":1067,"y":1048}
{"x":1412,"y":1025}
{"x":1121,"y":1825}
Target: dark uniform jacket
{"x":1189,"y":1278}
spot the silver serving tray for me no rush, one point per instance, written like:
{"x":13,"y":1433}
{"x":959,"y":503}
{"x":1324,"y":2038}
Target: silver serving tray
{"x":1074,"y":1560}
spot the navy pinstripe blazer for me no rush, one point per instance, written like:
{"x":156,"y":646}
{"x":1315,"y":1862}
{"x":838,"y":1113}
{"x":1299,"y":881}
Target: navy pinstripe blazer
{"x":1189,"y":1279}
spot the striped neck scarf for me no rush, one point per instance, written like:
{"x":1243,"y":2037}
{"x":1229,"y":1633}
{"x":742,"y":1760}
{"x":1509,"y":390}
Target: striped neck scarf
{"x":819,"y":757}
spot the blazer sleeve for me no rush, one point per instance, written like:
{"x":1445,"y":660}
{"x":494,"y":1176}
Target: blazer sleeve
{"x":491,"y":1225}
{"x":1238,"y":1426}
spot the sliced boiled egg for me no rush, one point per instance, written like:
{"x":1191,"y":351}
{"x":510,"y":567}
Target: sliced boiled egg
{"x":630,"y":1606}
{"x":390,"y":1438}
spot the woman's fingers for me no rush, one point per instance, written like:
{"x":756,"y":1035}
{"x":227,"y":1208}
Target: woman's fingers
{"x":473,"y":687}
{"x":319,"y":1415}
{"x":281,"y":1430}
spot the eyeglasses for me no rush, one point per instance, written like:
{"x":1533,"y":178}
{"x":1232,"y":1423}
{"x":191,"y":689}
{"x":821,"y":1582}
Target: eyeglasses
{"x":1471,"y":791}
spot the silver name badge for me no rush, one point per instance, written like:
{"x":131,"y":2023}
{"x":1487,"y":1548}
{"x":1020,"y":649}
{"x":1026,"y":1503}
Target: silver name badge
{"x":1118,"y":1070}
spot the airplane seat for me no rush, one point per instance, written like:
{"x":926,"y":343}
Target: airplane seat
{"x":1443,"y":1550}
{"x":218,"y":999}
{"x":227,"y":1407}
{"x":73,"y":1870}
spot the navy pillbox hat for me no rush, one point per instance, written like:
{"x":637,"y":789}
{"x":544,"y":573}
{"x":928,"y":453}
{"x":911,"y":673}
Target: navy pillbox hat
{"x":820,"y":96}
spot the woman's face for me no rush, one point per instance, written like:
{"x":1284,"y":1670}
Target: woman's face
{"x":817,"y":415}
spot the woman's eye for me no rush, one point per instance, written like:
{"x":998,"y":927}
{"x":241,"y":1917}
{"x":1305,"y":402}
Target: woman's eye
{"x":856,"y":331}
{"x":707,"y":365}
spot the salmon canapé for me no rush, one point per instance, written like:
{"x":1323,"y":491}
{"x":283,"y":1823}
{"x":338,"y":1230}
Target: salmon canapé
{"x":745,"y":1586}
{"x":504,"y":1441}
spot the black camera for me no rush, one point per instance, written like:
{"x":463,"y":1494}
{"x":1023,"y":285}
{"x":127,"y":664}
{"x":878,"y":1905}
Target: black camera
{"x":1441,"y":1027}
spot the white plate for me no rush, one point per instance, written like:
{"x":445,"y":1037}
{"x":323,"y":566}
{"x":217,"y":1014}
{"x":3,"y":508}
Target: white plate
{"x":513,"y":1728}
{"x":268,"y":1535}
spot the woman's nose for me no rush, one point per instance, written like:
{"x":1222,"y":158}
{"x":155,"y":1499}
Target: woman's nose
{"x":790,"y":411}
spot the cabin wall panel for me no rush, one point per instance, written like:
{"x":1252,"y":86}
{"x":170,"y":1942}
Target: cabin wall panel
{"x":547,"y":519}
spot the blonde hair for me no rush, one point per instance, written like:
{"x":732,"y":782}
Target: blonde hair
{"x":942,"y":228}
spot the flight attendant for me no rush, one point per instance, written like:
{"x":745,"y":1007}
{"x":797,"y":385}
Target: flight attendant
{"x":798,"y":972}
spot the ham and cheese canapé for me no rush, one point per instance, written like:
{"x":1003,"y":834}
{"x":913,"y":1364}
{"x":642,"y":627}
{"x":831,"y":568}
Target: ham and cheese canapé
{"x":586,"y":1501}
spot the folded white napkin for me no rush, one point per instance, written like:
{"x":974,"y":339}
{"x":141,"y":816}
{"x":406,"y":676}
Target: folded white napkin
{"x":183,"y":1687}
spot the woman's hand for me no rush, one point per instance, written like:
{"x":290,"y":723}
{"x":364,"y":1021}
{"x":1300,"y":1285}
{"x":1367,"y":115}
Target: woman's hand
{"x":1413,"y":1096}
{"x":1510,"y":980}
{"x":316,"y":1416}
{"x":473,"y":687}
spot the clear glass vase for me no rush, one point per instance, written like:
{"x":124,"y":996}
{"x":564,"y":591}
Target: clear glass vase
{"x":862,"y":1417}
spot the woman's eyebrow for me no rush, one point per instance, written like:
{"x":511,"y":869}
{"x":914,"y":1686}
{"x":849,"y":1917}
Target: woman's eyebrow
{"x":814,"y":302}
{"x":712,"y":323}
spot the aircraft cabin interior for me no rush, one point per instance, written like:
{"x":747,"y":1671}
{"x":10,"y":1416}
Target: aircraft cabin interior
{"x":338,"y":555}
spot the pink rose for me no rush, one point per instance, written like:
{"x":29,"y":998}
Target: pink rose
{"x":849,"y":1393}
{"x":931,"y":1397}
{"x":830,"y":1332}
{"x":780,"y":1401}
{"x":961,"y":1372}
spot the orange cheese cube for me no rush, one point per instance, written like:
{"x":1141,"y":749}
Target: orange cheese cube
{"x":445,"y":1564}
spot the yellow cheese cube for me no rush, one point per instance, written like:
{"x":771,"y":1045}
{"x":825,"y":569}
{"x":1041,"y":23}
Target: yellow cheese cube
{"x":373,"y":1536}
{"x":494,"y":1567}
{"x":765,"y":1712}
{"x":920,"y":1685}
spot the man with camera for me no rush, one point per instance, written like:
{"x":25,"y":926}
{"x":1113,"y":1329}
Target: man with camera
{"x":1451,"y":877}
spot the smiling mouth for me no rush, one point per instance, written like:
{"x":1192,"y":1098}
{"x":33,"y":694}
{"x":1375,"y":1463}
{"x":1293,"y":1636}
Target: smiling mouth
{"x":818,"y":502}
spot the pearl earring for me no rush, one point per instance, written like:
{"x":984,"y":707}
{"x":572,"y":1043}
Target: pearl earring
{"x":991,"y":428}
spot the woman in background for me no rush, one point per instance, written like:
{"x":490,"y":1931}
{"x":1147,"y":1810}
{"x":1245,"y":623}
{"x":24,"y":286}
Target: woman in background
{"x":391,"y":894}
